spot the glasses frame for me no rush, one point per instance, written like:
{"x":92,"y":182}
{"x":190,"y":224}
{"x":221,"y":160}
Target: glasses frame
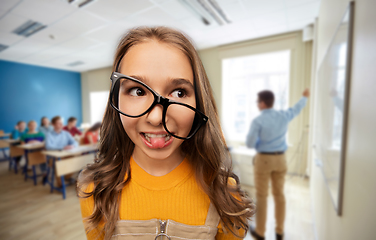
{"x":158,"y":99}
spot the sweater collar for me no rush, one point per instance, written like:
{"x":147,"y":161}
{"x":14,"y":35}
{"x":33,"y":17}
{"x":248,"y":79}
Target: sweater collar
{"x":171,"y":179}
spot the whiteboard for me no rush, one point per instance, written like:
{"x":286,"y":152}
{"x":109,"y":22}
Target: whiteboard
{"x":333,"y":84}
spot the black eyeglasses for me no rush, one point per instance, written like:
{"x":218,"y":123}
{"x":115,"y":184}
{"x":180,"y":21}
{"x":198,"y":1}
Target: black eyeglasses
{"x":133,"y":98}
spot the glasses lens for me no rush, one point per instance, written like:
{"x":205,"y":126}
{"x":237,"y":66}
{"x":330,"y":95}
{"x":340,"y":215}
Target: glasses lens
{"x":133,"y":98}
{"x":181,"y":121}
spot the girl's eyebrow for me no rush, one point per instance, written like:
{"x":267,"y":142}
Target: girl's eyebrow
{"x":173,"y":81}
{"x":181,"y":81}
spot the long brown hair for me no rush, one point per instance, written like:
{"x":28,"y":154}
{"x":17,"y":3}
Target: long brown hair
{"x":206,"y":150}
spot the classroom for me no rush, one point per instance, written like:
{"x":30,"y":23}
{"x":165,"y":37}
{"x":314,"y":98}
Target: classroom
{"x":225,"y":88}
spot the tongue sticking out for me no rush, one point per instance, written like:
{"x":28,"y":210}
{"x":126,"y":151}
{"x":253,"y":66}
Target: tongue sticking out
{"x":157,"y":142}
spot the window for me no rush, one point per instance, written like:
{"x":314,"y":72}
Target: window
{"x":98,"y":102}
{"x":243,"y":78}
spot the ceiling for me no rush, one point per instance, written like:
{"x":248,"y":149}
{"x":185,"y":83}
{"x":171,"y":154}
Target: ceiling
{"x":86,"y":37}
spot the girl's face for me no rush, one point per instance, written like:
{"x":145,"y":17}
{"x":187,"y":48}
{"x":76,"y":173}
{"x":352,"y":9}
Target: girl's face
{"x":22,"y":126}
{"x":167,"y":70}
{"x":32,"y":126}
{"x":46,"y":122}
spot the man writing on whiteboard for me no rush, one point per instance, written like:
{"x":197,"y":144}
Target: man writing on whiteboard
{"x":267,"y":135}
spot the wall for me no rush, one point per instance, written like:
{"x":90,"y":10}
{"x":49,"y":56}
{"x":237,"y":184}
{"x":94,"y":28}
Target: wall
{"x":93,"y":81}
{"x":300,"y":76}
{"x":359,"y":214}
{"x":30,"y":92}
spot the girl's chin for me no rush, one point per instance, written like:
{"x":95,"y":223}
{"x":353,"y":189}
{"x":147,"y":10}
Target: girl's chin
{"x":158,"y":154}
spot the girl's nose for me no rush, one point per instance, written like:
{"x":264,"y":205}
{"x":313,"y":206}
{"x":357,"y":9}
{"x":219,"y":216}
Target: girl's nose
{"x":154,"y":117}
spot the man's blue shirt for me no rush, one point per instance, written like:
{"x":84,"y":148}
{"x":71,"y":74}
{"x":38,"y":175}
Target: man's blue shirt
{"x":268,"y":131}
{"x":57,"y":141}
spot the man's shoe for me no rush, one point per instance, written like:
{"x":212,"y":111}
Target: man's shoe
{"x":255,"y":235}
{"x":279,"y":236}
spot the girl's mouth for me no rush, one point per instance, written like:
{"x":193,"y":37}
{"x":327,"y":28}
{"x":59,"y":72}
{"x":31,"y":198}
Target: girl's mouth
{"x":156,"y":141}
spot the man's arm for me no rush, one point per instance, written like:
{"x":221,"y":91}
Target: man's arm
{"x":253,"y":135}
{"x":297,"y":108}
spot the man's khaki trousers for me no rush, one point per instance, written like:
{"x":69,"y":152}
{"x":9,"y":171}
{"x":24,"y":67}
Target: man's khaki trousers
{"x":272,"y":167}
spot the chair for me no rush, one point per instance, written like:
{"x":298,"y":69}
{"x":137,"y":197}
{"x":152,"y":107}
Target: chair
{"x":14,"y":152}
{"x":33,"y":159}
{"x":3,"y":147}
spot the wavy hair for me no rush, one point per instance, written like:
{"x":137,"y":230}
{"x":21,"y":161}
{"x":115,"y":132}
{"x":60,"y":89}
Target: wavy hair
{"x":206,"y":150}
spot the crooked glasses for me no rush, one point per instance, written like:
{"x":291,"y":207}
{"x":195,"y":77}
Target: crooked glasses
{"x":133,"y":98}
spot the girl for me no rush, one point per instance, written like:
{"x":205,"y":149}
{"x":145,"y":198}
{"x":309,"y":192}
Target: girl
{"x":32,"y":135}
{"x":91,"y":135}
{"x":163,"y":169}
{"x":45,"y":126}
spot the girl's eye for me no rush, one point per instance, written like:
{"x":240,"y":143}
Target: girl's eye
{"x":136,"y":92}
{"x":179,"y":93}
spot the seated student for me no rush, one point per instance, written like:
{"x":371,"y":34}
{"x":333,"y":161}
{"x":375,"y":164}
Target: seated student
{"x":32,"y":135}
{"x":92,"y":134}
{"x":45,"y":126}
{"x":57,"y":139}
{"x":19,"y":130}
{"x":71,"y":127}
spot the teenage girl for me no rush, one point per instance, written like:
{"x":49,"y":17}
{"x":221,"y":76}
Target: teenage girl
{"x":163,"y":168}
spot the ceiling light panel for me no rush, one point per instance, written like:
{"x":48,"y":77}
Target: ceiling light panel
{"x":29,"y":28}
{"x":76,"y":63}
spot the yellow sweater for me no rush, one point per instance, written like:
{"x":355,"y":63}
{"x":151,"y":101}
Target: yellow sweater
{"x":174,"y":196}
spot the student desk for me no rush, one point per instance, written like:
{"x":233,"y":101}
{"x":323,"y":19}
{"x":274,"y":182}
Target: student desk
{"x":68,"y":161}
{"x":33,"y":157}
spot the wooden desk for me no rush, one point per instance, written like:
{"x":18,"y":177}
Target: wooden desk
{"x":12,"y":141}
{"x":74,"y":160}
{"x":33,"y":156}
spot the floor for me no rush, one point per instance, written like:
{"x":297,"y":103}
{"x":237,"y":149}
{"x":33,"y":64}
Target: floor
{"x":32,"y":212}
{"x":298,"y":223}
